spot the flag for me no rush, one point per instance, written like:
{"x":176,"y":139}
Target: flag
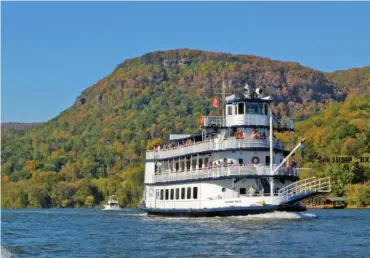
{"x":202,"y":120}
{"x":216,"y":104}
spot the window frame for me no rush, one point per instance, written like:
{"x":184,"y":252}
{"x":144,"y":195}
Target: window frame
{"x":183,"y":195}
{"x":195,"y":192}
{"x":188,"y":193}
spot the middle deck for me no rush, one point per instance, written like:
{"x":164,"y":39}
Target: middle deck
{"x":211,"y":146}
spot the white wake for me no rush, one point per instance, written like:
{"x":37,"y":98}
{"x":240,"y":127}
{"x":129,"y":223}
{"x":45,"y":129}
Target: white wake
{"x":278,"y":215}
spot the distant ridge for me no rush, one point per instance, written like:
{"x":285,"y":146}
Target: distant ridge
{"x":18,"y":126}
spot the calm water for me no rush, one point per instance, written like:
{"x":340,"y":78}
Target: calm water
{"x":130,"y":233}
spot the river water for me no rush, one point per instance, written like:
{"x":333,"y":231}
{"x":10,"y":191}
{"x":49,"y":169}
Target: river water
{"x":131,"y":233}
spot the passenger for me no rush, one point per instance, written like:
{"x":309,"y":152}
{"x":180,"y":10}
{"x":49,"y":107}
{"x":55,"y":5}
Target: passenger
{"x":251,"y":191}
{"x":263,"y":136}
{"x":258,"y":135}
{"x":254,"y":134}
{"x":245,"y":136}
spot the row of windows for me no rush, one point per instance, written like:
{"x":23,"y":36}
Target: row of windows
{"x":174,"y":194}
{"x":250,"y":108}
{"x":186,"y":165}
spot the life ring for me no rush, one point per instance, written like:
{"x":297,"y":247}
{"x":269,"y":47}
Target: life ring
{"x":255,"y":160}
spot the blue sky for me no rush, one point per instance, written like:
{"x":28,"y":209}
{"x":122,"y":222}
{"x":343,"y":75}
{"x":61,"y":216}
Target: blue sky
{"x":52,"y":51}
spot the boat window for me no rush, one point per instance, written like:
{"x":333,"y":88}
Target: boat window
{"x":182,"y":166}
{"x":252,"y":108}
{"x":243,"y":191}
{"x":229,"y":110}
{"x":260,"y":108}
{"x":200,"y":163}
{"x":194,"y":164}
{"x":195,"y":192}
{"x":223,"y":189}
{"x":182,"y":193}
{"x":162,"y":194}
{"x":167,"y":194}
{"x":240,"y":108}
{"x":205,"y":161}
{"x":266,"y":109}
{"x":157,"y":196}
{"x":188,"y":193}
{"x":267,"y":160}
{"x":241,"y":161}
{"x":177,"y":166}
{"x":177,"y":193}
{"x":172,"y":194}
{"x":188,"y":165}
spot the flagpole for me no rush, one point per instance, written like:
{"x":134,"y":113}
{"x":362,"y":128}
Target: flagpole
{"x":223,"y":103}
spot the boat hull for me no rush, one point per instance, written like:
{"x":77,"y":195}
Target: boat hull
{"x":223,"y":212}
{"x":107,"y":208}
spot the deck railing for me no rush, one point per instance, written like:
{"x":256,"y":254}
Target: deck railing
{"x":312,"y":184}
{"x":229,"y":143}
{"x":215,"y":172}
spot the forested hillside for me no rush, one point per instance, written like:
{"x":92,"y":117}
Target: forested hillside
{"x":97,"y":147}
{"x":338,"y":145}
{"x":354,"y":81}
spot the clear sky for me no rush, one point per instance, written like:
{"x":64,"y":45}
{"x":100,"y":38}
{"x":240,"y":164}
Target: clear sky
{"x":52,"y":51}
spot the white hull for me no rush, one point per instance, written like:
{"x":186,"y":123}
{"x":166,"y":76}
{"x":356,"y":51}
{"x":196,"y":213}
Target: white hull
{"x":107,"y":207}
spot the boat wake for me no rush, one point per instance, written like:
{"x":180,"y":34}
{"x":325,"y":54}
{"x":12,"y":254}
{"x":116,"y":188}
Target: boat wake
{"x":278,"y":215}
{"x":5,"y":253}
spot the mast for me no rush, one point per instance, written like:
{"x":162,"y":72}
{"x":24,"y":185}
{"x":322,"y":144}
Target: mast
{"x":223,"y":103}
{"x":271,"y":157}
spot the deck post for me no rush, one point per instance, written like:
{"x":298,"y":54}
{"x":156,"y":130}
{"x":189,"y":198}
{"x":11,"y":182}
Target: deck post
{"x":271,"y":157}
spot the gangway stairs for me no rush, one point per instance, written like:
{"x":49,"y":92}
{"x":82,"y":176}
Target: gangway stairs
{"x":304,"y":189}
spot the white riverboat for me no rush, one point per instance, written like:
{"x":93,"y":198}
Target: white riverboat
{"x":234,"y":166}
{"x":112,"y":204}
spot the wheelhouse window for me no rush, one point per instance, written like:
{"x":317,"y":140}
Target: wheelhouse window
{"x":172,"y":194}
{"x":167,"y":194}
{"x":229,"y":110}
{"x":240,"y":108}
{"x":188,"y":193}
{"x":177,"y":193}
{"x":252,"y":108}
{"x":162,"y":194}
{"x":260,"y":108}
{"x":182,"y":193}
{"x":195,"y":192}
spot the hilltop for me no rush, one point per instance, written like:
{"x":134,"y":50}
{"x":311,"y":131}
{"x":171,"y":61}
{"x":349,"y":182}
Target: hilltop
{"x":97,"y":146}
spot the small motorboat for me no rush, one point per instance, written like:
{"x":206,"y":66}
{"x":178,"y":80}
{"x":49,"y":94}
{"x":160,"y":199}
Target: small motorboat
{"x":112,"y":204}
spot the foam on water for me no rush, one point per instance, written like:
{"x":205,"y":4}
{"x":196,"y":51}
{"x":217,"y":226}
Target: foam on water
{"x":6,"y":254}
{"x":277,"y":215}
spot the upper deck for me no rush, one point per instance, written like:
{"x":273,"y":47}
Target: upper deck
{"x":211,"y":146}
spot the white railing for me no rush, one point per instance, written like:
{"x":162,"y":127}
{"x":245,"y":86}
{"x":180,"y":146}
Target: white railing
{"x":215,"y":172}
{"x":210,"y":145}
{"x":312,"y":184}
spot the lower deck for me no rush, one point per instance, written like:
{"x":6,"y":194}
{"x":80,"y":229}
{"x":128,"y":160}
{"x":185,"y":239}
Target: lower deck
{"x":246,"y":192}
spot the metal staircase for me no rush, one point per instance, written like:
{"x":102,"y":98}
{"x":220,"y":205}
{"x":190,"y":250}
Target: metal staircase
{"x":265,"y":185}
{"x":304,"y":189}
